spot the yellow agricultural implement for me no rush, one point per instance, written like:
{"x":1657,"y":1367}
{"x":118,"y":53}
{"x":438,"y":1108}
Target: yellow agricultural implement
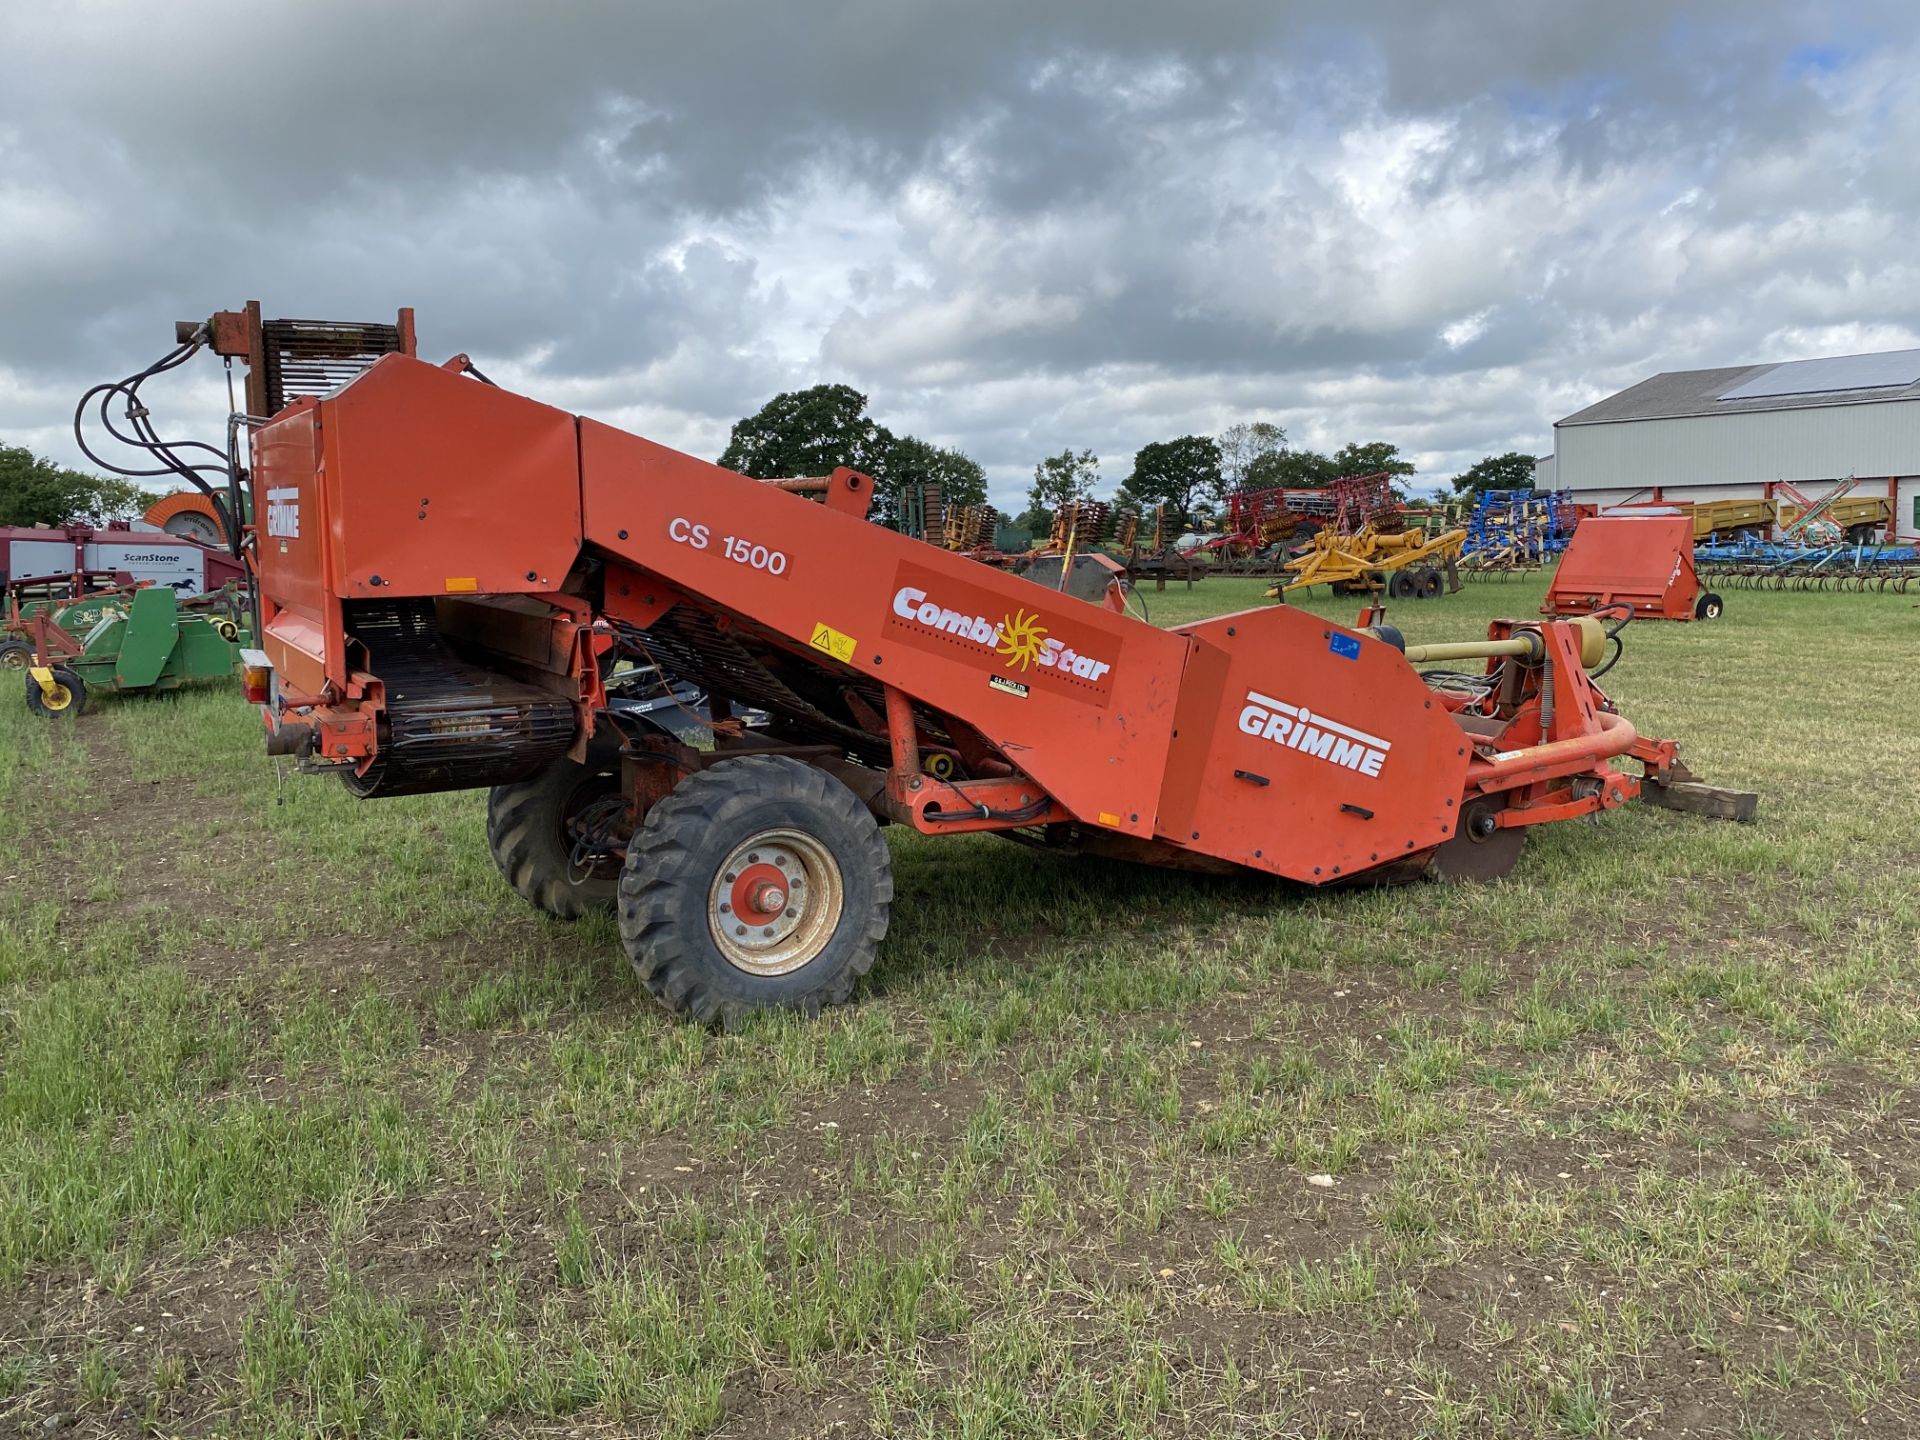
{"x":1406,"y":564}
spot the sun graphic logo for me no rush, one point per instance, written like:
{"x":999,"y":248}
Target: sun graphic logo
{"x":1023,"y":640}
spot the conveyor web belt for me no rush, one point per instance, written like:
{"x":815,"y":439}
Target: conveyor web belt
{"x":449,"y":724}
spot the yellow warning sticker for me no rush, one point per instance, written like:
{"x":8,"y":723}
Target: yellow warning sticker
{"x":462,"y":584}
{"x":830,"y":641}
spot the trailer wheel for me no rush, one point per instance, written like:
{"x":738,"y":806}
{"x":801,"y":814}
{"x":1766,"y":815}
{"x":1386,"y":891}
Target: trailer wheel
{"x":1399,"y":586}
{"x":69,"y":694}
{"x":1708,"y":607}
{"x":1428,"y":579}
{"x":527,"y":831}
{"x":759,"y":883}
{"x":15,"y":655}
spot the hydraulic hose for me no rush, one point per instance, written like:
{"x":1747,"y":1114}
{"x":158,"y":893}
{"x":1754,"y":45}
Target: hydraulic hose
{"x":1615,"y":737}
{"x":145,"y":437}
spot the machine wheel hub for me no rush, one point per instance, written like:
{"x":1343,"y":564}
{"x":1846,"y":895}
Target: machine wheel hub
{"x":775,"y":902}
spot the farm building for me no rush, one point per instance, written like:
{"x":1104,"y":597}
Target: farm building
{"x":1735,"y":433}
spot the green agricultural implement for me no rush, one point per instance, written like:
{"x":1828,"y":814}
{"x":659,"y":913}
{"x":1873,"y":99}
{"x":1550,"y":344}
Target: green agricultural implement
{"x":48,"y":595}
{"x":129,"y":640}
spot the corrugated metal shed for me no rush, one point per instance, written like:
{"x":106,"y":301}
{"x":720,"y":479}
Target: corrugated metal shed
{"x":1674,"y":432}
{"x":1697,"y":392}
{"x":1797,"y":444}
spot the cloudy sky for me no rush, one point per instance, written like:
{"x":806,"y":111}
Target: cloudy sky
{"x":1017,"y":225}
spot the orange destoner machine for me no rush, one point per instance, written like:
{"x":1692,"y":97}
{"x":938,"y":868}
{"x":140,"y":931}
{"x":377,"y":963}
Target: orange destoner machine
{"x":457,"y":583}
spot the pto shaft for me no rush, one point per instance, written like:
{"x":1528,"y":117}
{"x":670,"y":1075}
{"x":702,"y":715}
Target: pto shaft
{"x":1527,"y":645}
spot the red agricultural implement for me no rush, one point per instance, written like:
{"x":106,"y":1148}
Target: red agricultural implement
{"x":1257,"y":519}
{"x":450,"y":574}
{"x":1642,"y":560}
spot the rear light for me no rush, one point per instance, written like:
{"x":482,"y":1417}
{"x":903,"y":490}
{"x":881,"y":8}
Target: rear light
{"x":256,"y":677}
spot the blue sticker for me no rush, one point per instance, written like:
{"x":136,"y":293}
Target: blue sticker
{"x":1347,"y":647}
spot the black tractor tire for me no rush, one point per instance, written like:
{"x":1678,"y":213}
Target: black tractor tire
{"x":527,"y":832}
{"x":1862,"y":534}
{"x":1428,"y":580}
{"x":71,"y":698}
{"x":714,"y":831}
{"x":1399,"y":586}
{"x":1708,"y":606}
{"x":15,"y":654}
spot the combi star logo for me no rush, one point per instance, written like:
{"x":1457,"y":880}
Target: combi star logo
{"x":1023,"y":639}
{"x":1020,"y":639}
{"x":1056,"y":651}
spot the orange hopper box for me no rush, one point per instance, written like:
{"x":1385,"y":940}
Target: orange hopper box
{"x":1644,"y":560}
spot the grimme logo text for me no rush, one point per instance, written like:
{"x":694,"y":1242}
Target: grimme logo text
{"x":1294,"y":727}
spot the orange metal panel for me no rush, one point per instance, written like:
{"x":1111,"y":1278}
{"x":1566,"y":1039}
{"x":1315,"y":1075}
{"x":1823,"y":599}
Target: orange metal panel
{"x":290,"y":521}
{"x":440,"y":485}
{"x":1195,"y":716}
{"x":1645,"y":561}
{"x":296,"y":645}
{"x":1326,"y":754}
{"x":1080,"y":698}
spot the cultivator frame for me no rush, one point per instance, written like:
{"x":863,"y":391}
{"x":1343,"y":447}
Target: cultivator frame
{"x":1839,"y":568}
{"x":1515,"y":532}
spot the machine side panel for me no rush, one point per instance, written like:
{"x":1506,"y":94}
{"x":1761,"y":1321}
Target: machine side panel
{"x":181,"y":568}
{"x":1194,"y":719}
{"x":442,"y":485}
{"x":1080,"y":698}
{"x":1327,"y":753}
{"x":300,"y":618}
{"x":153,"y":625}
{"x":37,"y":559}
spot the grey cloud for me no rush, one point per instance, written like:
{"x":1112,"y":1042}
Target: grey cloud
{"x":1017,"y":225}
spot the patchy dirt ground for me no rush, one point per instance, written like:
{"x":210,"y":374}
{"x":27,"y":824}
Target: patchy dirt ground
{"x":314,"y":1129}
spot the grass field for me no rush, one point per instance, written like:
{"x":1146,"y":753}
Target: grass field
{"x":308,"y":1126}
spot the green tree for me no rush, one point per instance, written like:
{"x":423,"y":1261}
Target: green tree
{"x":810,"y":432}
{"x":36,"y":491}
{"x":1058,"y":480}
{"x":1244,"y":446}
{"x":1371,"y":459}
{"x":912,"y":461}
{"x":1291,"y":470}
{"x":1174,"y":473}
{"x":1511,"y":471}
